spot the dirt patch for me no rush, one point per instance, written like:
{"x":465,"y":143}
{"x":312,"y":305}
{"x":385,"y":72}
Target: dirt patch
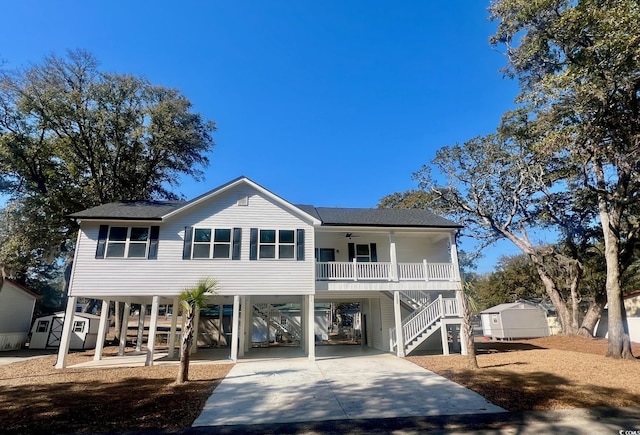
{"x":558,"y":372}
{"x":37,"y":398}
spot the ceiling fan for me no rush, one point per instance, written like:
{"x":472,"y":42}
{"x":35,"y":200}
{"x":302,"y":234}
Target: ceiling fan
{"x":350,"y":235}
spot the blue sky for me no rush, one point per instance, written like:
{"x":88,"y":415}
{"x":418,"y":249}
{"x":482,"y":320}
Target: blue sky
{"x":331,"y":103}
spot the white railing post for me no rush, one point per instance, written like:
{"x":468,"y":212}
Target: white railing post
{"x":355,"y":270}
{"x":426,"y":269}
{"x":441,"y":301}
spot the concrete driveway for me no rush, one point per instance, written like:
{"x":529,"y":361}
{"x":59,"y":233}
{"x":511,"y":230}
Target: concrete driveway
{"x":352,"y":383}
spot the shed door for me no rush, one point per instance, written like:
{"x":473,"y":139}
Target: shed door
{"x":55,"y":333}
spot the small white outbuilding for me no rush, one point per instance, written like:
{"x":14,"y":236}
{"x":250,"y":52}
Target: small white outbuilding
{"x":515,"y":320}
{"x":16,"y":310}
{"x":47,"y":330}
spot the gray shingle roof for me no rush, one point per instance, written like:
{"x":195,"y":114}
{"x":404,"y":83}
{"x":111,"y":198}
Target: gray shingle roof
{"x":134,"y":210}
{"x":387,"y":217}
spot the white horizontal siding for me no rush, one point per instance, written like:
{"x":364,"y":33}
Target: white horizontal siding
{"x":16,"y":309}
{"x":169,"y":274}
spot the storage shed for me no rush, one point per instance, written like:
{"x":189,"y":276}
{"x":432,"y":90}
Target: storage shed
{"x":47,"y":330}
{"x":16,"y":310}
{"x":515,"y":320}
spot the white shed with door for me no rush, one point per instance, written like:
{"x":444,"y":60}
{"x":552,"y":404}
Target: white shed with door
{"x":515,"y":320}
{"x":16,"y":310}
{"x":47,"y":330}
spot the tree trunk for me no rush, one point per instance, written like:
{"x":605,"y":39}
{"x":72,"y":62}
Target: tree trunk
{"x":552,"y":290}
{"x":468,"y":334}
{"x":118,"y":321}
{"x":185,"y":349}
{"x":593,"y":315}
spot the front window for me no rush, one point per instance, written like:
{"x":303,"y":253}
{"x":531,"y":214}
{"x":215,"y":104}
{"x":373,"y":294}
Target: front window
{"x":363,"y":254}
{"x":277,"y":244}
{"x":208,"y":243}
{"x":129,"y":242}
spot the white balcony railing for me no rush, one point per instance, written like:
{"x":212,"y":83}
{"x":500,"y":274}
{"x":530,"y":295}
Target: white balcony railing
{"x":384,"y":271}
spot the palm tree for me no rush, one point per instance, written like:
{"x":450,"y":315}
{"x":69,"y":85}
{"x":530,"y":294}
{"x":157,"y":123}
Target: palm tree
{"x":191,"y":299}
{"x":469,"y":307}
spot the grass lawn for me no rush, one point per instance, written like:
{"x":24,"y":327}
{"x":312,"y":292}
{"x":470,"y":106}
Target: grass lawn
{"x":540,"y":374}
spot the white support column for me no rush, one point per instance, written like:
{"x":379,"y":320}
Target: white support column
{"x":445,"y":338}
{"x":398,"y":321}
{"x":220,"y":324}
{"x":153,"y":327}
{"x":311,"y":337}
{"x":234,"y":328}
{"x":196,"y":331}
{"x":303,"y":325}
{"x":141,"y":316}
{"x":454,"y":256}
{"x":103,"y":327}
{"x":65,"y":340}
{"x":394,"y":258}
{"x":243,"y":325}
{"x":124,"y":327}
{"x":248,"y":319}
{"x":174,"y":326}
{"x":362,"y":339}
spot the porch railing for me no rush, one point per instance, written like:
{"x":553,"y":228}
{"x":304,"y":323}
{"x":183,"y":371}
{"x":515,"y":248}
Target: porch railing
{"x":354,"y":271}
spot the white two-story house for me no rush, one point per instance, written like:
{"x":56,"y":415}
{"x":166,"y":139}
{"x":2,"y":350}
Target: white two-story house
{"x":400,"y":266}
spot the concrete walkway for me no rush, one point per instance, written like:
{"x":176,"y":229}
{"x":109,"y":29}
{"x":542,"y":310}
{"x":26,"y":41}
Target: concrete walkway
{"x":363,"y":385}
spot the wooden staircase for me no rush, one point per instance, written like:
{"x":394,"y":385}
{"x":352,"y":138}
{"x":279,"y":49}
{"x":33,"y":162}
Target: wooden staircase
{"x":424,"y":320}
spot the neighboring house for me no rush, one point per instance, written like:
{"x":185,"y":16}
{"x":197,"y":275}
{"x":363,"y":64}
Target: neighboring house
{"x":515,"y":320}
{"x":632,"y":307}
{"x":47,"y":331}
{"x":400,"y":266}
{"x":16,"y":311}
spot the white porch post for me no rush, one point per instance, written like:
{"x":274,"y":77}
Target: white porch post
{"x":248,"y":318}
{"x":234,"y":328}
{"x":269,"y":325}
{"x":445,"y":338}
{"x":67,"y":328}
{"x":196,"y":331}
{"x":312,"y":327}
{"x":303,"y":325}
{"x":103,"y":326}
{"x":394,"y":258}
{"x":454,"y":256}
{"x":174,"y":325}
{"x":141,"y":316}
{"x":124,"y":328}
{"x":153,"y":326}
{"x":398,"y":321}
{"x":243,"y":325}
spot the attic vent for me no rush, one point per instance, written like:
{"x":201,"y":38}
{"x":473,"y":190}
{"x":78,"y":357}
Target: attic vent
{"x":243,"y":201}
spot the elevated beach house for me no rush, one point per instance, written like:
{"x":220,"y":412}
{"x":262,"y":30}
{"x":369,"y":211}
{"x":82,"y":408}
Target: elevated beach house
{"x":399,"y":267}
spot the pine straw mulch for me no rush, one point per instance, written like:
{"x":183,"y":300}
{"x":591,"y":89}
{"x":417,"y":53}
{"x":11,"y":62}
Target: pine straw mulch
{"x":547,"y":373}
{"x":37,"y":398}
{"x":540,"y":374}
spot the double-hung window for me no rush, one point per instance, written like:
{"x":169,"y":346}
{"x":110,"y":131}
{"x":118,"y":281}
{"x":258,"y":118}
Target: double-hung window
{"x":211,"y":243}
{"x":127,"y":242}
{"x":277,"y":244}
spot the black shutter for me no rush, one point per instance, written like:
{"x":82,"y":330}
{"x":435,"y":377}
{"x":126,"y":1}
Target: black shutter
{"x":374,"y":253}
{"x":237,"y":239}
{"x":102,"y":240}
{"x":153,"y":243}
{"x":253,"y":244}
{"x":300,"y":244}
{"x":186,"y":249}
{"x":352,"y":251}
